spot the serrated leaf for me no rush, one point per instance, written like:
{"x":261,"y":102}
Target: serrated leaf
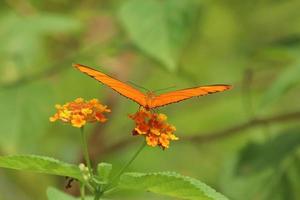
{"x":171,"y":184}
{"x":159,"y":28}
{"x":257,"y":157}
{"x":286,"y":81}
{"x":55,"y":194}
{"x":40,"y":164}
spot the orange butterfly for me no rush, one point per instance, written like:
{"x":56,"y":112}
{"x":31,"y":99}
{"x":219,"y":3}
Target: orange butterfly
{"x":150,"y":100}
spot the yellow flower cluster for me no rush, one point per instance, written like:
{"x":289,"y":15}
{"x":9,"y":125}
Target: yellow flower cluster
{"x":79,"y":112}
{"x":154,"y":127}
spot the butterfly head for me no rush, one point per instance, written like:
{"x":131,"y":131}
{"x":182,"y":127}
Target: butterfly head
{"x":150,"y":95}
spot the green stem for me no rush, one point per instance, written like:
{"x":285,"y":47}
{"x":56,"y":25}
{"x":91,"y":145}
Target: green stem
{"x":90,"y":187}
{"x":85,"y":150}
{"x":82,"y":191}
{"x":115,"y":178}
{"x":98,"y":194}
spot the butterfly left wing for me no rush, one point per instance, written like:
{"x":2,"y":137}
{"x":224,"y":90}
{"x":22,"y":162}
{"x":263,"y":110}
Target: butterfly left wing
{"x":118,"y":86}
{"x":180,"y":95}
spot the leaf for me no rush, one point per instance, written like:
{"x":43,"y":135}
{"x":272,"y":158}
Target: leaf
{"x":103,"y":170}
{"x":25,"y":116}
{"x":55,"y":23}
{"x":267,"y":17}
{"x":40,"y":164}
{"x":55,"y":194}
{"x":171,"y":184}
{"x":287,"y":80}
{"x":261,"y":169}
{"x":258,"y":157}
{"x":294,"y":177}
{"x":22,"y":42}
{"x":159,"y":28}
{"x":241,"y":186}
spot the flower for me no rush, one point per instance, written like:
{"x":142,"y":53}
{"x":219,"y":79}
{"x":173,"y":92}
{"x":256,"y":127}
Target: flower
{"x":154,"y":128}
{"x":79,"y":112}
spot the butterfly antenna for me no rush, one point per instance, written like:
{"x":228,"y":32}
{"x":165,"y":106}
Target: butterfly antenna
{"x":136,"y":85}
{"x":174,"y":86}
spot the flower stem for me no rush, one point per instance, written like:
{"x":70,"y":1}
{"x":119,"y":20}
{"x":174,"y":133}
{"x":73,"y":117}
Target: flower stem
{"x":98,"y":194}
{"x":85,"y":150}
{"x":82,"y":191}
{"x":115,"y":178}
{"x":132,"y":159}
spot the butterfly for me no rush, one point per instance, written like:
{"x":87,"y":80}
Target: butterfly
{"x":150,"y":100}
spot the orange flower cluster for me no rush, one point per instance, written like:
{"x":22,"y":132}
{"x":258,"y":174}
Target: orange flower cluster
{"x":79,"y":112}
{"x":154,"y":127}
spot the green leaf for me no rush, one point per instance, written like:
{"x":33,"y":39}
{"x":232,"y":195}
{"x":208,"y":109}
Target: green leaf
{"x":171,"y":184}
{"x":55,"y":23}
{"x":287,"y":80}
{"x":257,"y":157}
{"x":55,"y":194}
{"x":159,"y":28}
{"x":40,"y":164}
{"x":22,"y":37}
{"x":103,"y":170}
{"x":294,"y":177}
{"x":245,"y":187}
{"x":261,"y":169}
{"x":25,"y":116}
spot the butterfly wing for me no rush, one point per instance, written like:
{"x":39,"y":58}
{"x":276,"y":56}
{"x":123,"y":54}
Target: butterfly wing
{"x":180,"y":95}
{"x":116,"y":85}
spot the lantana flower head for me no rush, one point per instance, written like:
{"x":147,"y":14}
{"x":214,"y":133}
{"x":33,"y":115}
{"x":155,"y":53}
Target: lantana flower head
{"x":79,"y":112}
{"x":154,"y":127}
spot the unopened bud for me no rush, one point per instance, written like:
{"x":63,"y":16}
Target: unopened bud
{"x":82,"y":167}
{"x":86,"y":177}
{"x":86,"y":170}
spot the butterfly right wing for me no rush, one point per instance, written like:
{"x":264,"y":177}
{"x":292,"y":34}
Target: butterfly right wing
{"x":118,"y":86}
{"x":180,"y":95}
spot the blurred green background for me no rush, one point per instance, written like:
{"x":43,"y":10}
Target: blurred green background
{"x":244,"y":142}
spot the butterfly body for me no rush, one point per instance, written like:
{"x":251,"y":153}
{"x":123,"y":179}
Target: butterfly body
{"x":150,"y":96}
{"x":150,"y":100}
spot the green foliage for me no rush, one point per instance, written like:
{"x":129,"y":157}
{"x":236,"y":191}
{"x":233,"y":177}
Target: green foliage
{"x":103,"y":170}
{"x":171,"y":184}
{"x":165,"y":183}
{"x":159,"y":28}
{"x":208,"y":42}
{"x":40,"y":164}
{"x":23,"y":55}
{"x":55,"y":194}
{"x":24,"y":36}
{"x":255,"y":157}
{"x":287,"y":80}
{"x":261,"y":169}
{"x":21,"y":107}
